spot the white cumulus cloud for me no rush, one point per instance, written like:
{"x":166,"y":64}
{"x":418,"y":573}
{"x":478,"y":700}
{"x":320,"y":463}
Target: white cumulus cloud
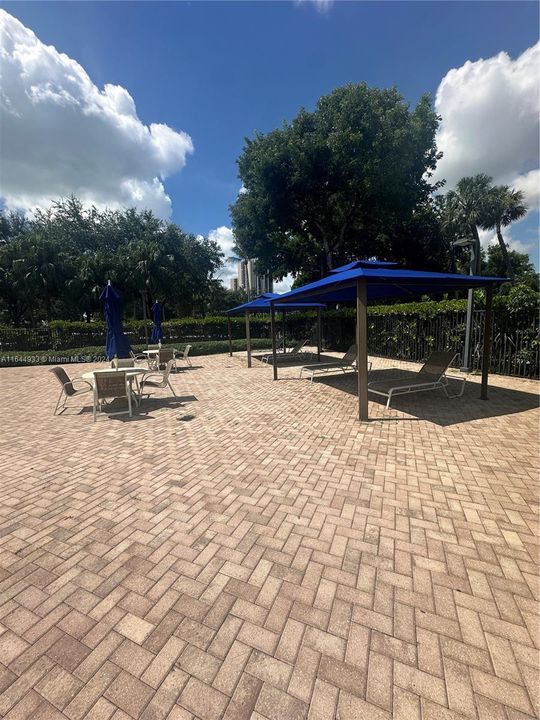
{"x":225,"y":239}
{"x":283,"y":286}
{"x":490,"y":120}
{"x":489,"y":237}
{"x":63,"y":135}
{"x":322,"y":6}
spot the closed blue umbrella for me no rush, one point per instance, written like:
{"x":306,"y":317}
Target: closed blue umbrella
{"x":117,"y":344}
{"x":157,"y":332}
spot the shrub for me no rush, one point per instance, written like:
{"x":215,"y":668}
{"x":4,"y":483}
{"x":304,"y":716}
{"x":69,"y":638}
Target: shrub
{"x":97,"y":354}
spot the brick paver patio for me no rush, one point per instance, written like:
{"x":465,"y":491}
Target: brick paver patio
{"x":251,"y":551}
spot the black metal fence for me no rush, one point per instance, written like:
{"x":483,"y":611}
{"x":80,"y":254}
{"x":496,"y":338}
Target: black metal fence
{"x":515,"y":347}
{"x":83,"y":335}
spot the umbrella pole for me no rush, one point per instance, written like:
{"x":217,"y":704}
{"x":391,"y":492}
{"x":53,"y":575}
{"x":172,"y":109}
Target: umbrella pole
{"x":229,"y":332}
{"x":144,"y":317}
{"x":361,"y":345}
{"x":273,"y":331}
{"x":319,"y":338}
{"x":486,"y":351}
{"x":248,"y":340}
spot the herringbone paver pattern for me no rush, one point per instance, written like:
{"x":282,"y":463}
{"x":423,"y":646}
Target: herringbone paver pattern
{"x":252,"y":551}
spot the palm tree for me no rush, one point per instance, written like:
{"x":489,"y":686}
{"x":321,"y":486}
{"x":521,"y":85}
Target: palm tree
{"x":43,"y":270}
{"x":505,"y":206}
{"x":469,"y":207}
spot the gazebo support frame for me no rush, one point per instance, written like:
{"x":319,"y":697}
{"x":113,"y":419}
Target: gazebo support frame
{"x":362,"y":337}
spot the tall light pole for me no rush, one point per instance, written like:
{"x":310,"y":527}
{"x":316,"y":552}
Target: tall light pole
{"x":473,"y":269}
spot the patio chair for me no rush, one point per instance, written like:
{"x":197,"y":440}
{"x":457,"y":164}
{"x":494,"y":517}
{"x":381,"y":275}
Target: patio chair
{"x":152,"y":360}
{"x":138,"y":357}
{"x":151,"y":381}
{"x":108,"y":386}
{"x":295,"y":353}
{"x":184,"y":355}
{"x":122,"y":363}
{"x":347,"y":362}
{"x":431,"y":376}
{"x":68,"y":390}
{"x":164,"y":356}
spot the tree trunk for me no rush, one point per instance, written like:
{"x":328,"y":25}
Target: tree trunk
{"x":504,"y":251}
{"x":477,"y":250}
{"x":327,"y":254}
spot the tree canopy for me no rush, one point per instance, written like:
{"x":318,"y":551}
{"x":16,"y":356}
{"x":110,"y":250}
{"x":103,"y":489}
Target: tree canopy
{"x":349,"y":179}
{"x":521,"y":269}
{"x":56,"y":264}
{"x":476,"y":203}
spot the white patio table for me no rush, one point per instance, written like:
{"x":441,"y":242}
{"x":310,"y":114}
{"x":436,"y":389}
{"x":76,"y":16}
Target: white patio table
{"x":154,"y":352}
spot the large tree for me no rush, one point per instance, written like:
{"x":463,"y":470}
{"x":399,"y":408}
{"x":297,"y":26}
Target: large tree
{"x":56,"y":264}
{"x":467,"y":210}
{"x":476,"y":203}
{"x":339,"y":182}
{"x":504,"y":206}
{"x":521,"y":269}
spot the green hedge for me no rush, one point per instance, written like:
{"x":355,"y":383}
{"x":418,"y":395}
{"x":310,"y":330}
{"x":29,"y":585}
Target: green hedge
{"x":96,"y":354}
{"x":408,"y":331}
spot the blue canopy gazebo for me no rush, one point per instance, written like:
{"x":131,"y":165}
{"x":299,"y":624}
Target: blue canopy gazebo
{"x":261,"y":304}
{"x":364,"y":280}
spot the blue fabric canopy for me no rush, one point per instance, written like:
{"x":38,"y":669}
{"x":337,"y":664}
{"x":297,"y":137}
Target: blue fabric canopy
{"x":363,"y":263}
{"x":261,"y":304}
{"x":116,"y":344}
{"x":382,"y":282}
{"x":157,"y":331}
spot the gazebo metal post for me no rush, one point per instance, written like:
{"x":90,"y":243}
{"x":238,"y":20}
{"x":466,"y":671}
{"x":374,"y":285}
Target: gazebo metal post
{"x":486,"y":351}
{"x":273,"y":331}
{"x":283,"y":331}
{"x":248,"y":340}
{"x":319,"y":335}
{"x":229,"y":333}
{"x":361,"y":345}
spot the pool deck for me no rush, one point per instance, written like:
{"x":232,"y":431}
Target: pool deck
{"x":250,"y":550}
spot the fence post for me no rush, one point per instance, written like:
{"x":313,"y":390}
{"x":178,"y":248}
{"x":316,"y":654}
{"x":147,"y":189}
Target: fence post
{"x":486,"y":353}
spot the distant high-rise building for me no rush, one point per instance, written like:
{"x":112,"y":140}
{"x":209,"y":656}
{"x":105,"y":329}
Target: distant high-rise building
{"x":249,"y":281}
{"x":234,"y":284}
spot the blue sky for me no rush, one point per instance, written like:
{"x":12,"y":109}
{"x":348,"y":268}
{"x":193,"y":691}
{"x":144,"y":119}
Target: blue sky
{"x":220,"y":71}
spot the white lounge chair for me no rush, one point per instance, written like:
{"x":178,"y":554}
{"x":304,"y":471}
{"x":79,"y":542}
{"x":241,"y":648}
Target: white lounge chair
{"x":431,"y":376}
{"x":347,"y":362}
{"x":295,"y":353}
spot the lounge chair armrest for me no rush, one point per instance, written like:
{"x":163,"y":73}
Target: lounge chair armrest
{"x":463,"y":382}
{"x":79,"y":380}
{"x":149,"y":375}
